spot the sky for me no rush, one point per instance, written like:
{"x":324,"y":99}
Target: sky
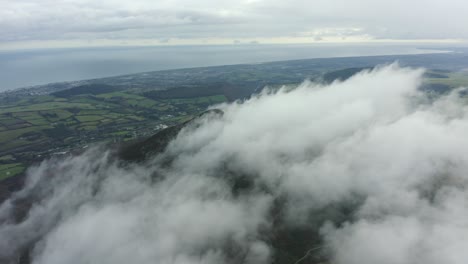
{"x":26,"y":24}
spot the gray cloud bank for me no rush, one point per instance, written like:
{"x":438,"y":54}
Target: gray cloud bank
{"x":32,"y":20}
{"x":373,"y":143}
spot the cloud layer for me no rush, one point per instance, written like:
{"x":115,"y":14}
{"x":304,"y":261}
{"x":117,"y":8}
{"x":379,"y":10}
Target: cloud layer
{"x":182,"y":21}
{"x":394,"y":161}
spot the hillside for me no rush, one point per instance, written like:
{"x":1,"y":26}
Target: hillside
{"x":252,"y":180}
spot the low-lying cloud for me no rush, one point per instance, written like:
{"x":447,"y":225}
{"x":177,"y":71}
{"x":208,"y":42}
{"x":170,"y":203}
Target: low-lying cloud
{"x":392,"y":159}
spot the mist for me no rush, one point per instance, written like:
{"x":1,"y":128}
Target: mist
{"x":374,"y":167}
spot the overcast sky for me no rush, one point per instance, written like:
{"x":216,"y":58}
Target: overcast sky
{"x":63,"y":23}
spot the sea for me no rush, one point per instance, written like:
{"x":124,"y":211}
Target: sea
{"x":24,"y":68}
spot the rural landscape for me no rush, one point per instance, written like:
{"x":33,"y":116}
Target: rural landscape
{"x":57,"y":127}
{"x":56,"y":124}
{"x":58,"y":119}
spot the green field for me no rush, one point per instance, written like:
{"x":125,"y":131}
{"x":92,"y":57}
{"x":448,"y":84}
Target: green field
{"x":455,"y":79}
{"x":89,"y":118}
{"x":12,"y":169}
{"x":29,"y":127}
{"x":46,"y":106}
{"x":199,"y":100}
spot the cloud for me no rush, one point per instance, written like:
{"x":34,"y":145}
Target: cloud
{"x":79,"y":20}
{"x":370,"y":165}
{"x":89,"y":216}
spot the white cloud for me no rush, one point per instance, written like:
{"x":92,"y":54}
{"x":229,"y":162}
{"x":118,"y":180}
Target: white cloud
{"x":367,"y":143}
